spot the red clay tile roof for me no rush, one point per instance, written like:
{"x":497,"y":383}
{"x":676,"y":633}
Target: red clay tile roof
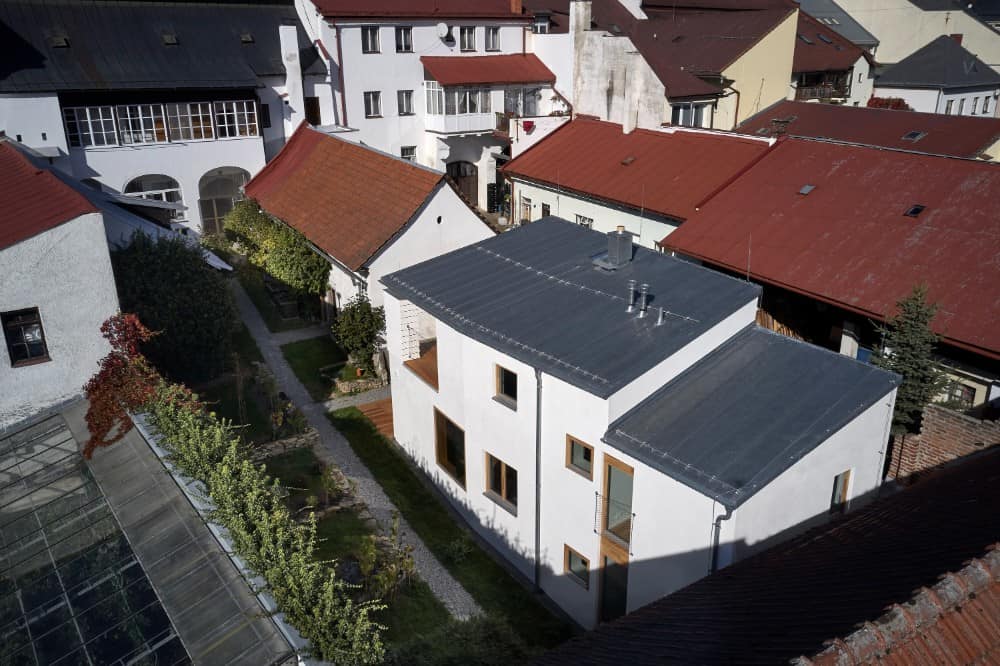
{"x":432,"y":9}
{"x":479,"y":70}
{"x":826,"y":50}
{"x":348,"y":200}
{"x":671,"y":173}
{"x":958,"y":136}
{"x":33,"y":200}
{"x":849,"y":241}
{"x":790,"y":599}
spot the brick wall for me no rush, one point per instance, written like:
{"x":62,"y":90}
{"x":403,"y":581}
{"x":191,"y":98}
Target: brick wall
{"x":944,"y":436}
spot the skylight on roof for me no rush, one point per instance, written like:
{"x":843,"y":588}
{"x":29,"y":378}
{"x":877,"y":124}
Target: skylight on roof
{"x":169,"y":39}
{"x":628,"y":160}
{"x":915,"y":210}
{"x":59,"y":41}
{"x":806,"y":189}
{"x":246,"y":38}
{"x":824,"y":38}
{"x":915,"y":135}
{"x":805,"y":39}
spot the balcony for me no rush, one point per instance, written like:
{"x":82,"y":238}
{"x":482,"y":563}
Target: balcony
{"x":425,"y":366}
{"x":613,"y":519}
{"x":820,"y":92}
{"x":466,"y":123}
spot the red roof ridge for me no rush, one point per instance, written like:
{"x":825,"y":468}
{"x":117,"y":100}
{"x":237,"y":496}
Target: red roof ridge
{"x":889,"y":149}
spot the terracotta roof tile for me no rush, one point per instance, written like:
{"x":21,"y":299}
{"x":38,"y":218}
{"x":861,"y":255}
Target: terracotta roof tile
{"x":347,"y":199}
{"x":498,"y":69}
{"x":672,"y":171}
{"x":825,"y":51}
{"x":33,"y":200}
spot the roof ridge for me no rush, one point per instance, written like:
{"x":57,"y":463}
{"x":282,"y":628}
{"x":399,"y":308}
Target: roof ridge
{"x":889,"y":149}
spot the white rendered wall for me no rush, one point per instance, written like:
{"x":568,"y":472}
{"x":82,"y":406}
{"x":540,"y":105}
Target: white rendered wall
{"x":862,"y":83}
{"x":924,"y":101}
{"x":31,"y":115}
{"x":65,"y":273}
{"x":521,"y":140}
{"x":606,"y":218}
{"x":556,"y":51}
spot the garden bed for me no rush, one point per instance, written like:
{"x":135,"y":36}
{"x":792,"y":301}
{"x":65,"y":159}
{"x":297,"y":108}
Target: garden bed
{"x":315,"y":362}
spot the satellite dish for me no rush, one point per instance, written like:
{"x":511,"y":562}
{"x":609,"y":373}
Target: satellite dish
{"x":443,"y":30}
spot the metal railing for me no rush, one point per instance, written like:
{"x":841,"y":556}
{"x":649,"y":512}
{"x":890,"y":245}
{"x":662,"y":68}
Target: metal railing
{"x":613,"y":519}
{"x":820,"y":92}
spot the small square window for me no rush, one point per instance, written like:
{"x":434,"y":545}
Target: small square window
{"x":584,"y":221}
{"x":404,"y":102}
{"x":576,"y":566}
{"x":541,"y":25}
{"x":408,"y":153}
{"x":546,"y":210}
{"x":841,"y":491}
{"x":404,"y":40}
{"x":25,"y":338}
{"x":506,"y":389}
{"x":501,"y":483}
{"x":369,"y":39}
{"x":493,"y":38}
{"x":468,"y":34}
{"x":962,"y":396}
{"x":579,"y":457}
{"x":373,"y":104}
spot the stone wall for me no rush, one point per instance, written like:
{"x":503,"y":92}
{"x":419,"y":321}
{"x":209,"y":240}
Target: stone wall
{"x":307,"y":439}
{"x":945,"y":435}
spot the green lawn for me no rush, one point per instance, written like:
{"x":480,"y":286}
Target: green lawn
{"x":299,"y":471}
{"x":485,"y":579}
{"x":221,"y":399}
{"x":252,"y":279}
{"x":307,"y":357}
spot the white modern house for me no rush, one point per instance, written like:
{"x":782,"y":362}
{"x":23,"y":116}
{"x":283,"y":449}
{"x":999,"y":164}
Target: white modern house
{"x":177,"y":103}
{"x":448,"y":84}
{"x":367,"y":212}
{"x":611,"y":419}
{"x":56,"y":291}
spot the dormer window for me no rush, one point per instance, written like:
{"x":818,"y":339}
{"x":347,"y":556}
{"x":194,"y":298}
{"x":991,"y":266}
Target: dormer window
{"x":915,"y":210}
{"x":914,"y":136}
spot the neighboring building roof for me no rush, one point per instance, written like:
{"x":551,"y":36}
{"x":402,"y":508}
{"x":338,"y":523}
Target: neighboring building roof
{"x":781,"y":398}
{"x":418,"y":8}
{"x":941,"y":64}
{"x":885,"y":565}
{"x":665,"y":172}
{"x":986,"y":10}
{"x":937,"y":133}
{"x":349,"y":200}
{"x":850,"y":242}
{"x":121,"y":45}
{"x":32,"y":199}
{"x":479,"y":70}
{"x":535,"y":294}
{"x":833,"y":15}
{"x":818,"y":48}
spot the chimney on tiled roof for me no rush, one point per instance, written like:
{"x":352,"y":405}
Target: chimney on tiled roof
{"x":515,"y":6}
{"x":580,"y":12}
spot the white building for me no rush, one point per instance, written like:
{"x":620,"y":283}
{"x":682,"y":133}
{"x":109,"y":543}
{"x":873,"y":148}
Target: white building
{"x":181,"y":103}
{"x":448,"y":84}
{"x":56,"y":291}
{"x":616,"y":446}
{"x":649,"y":181}
{"x":943,"y":77}
{"x":368,"y":213}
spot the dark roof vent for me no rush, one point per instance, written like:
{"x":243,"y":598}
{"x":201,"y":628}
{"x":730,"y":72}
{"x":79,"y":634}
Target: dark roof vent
{"x":678,"y":38}
{"x":805,"y":39}
{"x":170,"y":39}
{"x":619,"y":250}
{"x":628,"y":160}
{"x":914,"y":136}
{"x":824,"y":38}
{"x":59,"y":41}
{"x":246,"y":38}
{"x":806,"y":189}
{"x":915,"y":210}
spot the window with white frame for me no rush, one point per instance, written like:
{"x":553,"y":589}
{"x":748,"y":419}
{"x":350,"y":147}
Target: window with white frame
{"x":141,"y":123}
{"x":584,"y":221}
{"x":369,"y":39}
{"x":522,"y":102}
{"x":408,"y":153}
{"x":404,"y":100}
{"x":986,"y":104}
{"x":90,"y":126}
{"x":468,"y":36}
{"x":975,"y":105}
{"x":456,"y":101}
{"x":157,"y":187}
{"x":373,"y":104}
{"x":434,"y":96}
{"x":541,"y":25}
{"x":233,"y":119}
{"x":404,"y":40}
{"x":190,"y":122}
{"x":492,"y":38}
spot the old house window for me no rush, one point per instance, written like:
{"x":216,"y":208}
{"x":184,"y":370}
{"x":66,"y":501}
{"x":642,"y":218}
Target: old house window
{"x":584,"y":221}
{"x":576,"y":566}
{"x":141,"y":123}
{"x":90,"y":126}
{"x":408,"y":153}
{"x":450,"y":447}
{"x":948,"y":106}
{"x":22,"y":329}
{"x":493,"y":38}
{"x":506,"y":387}
{"x":373,"y":104}
{"x":157,"y":187}
{"x":404,"y":100}
{"x":501,"y":483}
{"x":404,"y":40}
{"x":190,"y":122}
{"x":238,"y":118}
{"x":962,"y":396}
{"x":468,"y":35}
{"x":841,"y":489}
{"x":369,"y":39}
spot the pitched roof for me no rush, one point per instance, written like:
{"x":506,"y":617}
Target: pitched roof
{"x":348,"y":200}
{"x":120,"y":44}
{"x":850,"y":242}
{"x":830,"y":13}
{"x":790,"y":599}
{"x":670,"y":172}
{"x":943,"y":63}
{"x":417,"y":9}
{"x":534,"y":293}
{"x":32,"y":199}
{"x":497,"y":69}
{"x":937,"y":133}
{"x":781,"y":399}
{"x":820,"y":49}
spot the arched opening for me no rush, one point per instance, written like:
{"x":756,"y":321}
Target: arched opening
{"x":466,"y":177}
{"x":158,"y":187}
{"x":218,"y":191}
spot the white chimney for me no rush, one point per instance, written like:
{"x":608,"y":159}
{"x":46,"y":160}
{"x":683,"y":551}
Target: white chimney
{"x":294,"y":105}
{"x":579,"y":16}
{"x":634,"y":8}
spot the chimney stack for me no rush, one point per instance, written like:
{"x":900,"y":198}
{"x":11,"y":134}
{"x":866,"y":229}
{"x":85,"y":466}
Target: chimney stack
{"x":579,"y":16}
{"x":619,"y":247}
{"x":515,"y":7}
{"x":643,"y":299}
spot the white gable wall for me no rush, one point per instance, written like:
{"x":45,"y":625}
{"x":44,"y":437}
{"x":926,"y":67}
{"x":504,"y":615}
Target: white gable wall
{"x":66,"y":274}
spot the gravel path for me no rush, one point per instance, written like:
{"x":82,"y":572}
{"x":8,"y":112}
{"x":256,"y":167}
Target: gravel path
{"x":296,"y":334}
{"x":337,"y":451}
{"x":358,"y":398}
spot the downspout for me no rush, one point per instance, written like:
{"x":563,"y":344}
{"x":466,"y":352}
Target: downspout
{"x":340,"y":73}
{"x":716,"y":536}
{"x":736,"y":113}
{"x":538,"y":479}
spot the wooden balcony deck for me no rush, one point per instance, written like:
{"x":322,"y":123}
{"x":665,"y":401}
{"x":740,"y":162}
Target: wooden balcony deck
{"x":380,"y":414}
{"x":426,"y":367}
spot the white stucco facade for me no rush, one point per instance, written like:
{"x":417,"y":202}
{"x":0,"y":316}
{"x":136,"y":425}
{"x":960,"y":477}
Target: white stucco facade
{"x":960,"y":102}
{"x":65,"y":273}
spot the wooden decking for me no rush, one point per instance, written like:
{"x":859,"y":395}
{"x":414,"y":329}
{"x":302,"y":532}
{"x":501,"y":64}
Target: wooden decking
{"x":380,"y":414}
{"x":426,"y":367}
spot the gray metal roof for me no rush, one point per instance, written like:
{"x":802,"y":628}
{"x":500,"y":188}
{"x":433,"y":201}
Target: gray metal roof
{"x":844,"y":25}
{"x":116,"y":45}
{"x":534,"y":293}
{"x":941,"y":64}
{"x":738,"y":418}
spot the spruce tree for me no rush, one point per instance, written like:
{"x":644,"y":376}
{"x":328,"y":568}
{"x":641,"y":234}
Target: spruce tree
{"x":908,"y":349}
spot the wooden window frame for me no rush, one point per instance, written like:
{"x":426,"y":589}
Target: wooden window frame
{"x":609,"y":538}
{"x":585,"y":584}
{"x":498,"y":394}
{"x":5,"y":319}
{"x":441,"y":447}
{"x":841,"y":507}
{"x":569,"y":457}
{"x":499,"y":498}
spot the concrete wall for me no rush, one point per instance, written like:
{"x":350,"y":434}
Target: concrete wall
{"x":65,"y":273}
{"x":36,"y":118}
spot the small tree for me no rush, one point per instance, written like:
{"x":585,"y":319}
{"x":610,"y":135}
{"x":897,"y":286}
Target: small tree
{"x":907,"y":349}
{"x":281,"y":251}
{"x":167,"y":283}
{"x":358,"y":328}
